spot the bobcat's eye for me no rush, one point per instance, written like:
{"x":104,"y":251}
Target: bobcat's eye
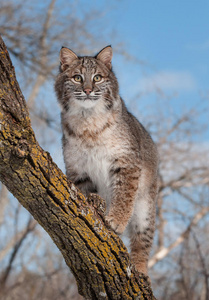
{"x":77,"y":78}
{"x":97,"y":78}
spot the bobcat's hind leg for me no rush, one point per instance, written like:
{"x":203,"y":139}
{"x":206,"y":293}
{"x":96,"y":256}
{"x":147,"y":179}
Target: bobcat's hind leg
{"x":140,"y":245}
{"x":141,"y":231}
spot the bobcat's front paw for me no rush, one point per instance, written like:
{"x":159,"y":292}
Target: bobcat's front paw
{"x":117,"y":226}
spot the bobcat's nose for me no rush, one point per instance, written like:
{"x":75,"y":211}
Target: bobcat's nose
{"x":88,"y":91}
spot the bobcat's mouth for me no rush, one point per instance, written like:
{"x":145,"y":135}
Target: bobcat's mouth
{"x":83,"y":97}
{"x":87,"y":98}
{"x":93,"y":98}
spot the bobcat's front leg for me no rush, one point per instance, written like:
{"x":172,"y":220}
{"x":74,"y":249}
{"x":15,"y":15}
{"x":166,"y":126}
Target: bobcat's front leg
{"x":125,"y":181}
{"x":82,"y":181}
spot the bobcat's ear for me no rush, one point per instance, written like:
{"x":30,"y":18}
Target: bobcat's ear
{"x":67,"y":56}
{"x":105,"y":55}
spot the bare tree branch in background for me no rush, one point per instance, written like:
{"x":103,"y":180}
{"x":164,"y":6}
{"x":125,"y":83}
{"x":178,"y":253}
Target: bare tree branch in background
{"x":15,"y":246}
{"x":42,"y":73}
{"x":204,"y":267}
{"x":183,"y":199}
{"x":16,"y":239}
{"x":162,"y":253}
{"x":3,"y":202}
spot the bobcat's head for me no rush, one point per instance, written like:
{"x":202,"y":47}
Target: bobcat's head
{"x":88,"y":80}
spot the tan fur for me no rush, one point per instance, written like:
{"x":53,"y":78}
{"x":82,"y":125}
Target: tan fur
{"x":106,"y":150}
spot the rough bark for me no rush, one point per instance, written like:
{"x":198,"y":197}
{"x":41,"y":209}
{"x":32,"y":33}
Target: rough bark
{"x":95,"y":255}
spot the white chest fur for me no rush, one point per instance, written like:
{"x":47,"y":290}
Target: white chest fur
{"x":93,"y":161}
{"x":95,"y":145}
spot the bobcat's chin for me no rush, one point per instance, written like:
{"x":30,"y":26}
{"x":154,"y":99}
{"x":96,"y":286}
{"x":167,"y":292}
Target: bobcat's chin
{"x":87,"y":102}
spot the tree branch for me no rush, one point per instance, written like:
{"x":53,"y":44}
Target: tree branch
{"x":3,"y":203}
{"x":41,"y":77}
{"x":17,"y":238}
{"x":30,"y":227}
{"x":162,"y":253}
{"x":95,"y":255}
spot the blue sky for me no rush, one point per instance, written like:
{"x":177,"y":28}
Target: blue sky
{"x":171,"y":38}
{"x":169,"y":34}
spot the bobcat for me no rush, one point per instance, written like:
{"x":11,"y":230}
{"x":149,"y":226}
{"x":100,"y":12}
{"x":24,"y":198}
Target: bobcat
{"x":106,"y":150}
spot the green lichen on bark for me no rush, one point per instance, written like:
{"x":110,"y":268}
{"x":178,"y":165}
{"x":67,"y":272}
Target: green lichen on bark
{"x":96,"y":256}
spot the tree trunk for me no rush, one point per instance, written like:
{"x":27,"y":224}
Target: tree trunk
{"x":95,"y":255}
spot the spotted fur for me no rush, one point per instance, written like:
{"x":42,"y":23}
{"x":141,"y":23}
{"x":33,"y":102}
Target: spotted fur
{"x":106,"y":150}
